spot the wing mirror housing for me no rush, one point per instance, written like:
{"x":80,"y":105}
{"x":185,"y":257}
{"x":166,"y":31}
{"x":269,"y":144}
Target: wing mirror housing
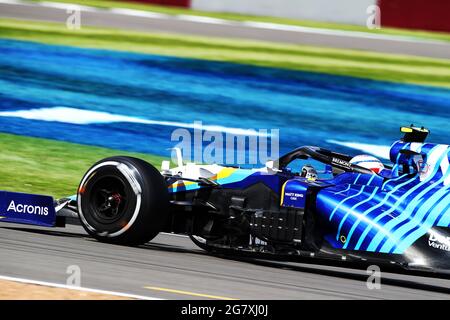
{"x":165,"y":166}
{"x":272,"y":165}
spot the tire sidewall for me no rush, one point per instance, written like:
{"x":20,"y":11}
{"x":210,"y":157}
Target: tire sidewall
{"x":145,"y":215}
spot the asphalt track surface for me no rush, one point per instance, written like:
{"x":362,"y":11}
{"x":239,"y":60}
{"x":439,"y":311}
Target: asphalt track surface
{"x":152,"y":22}
{"x":172,"y":267}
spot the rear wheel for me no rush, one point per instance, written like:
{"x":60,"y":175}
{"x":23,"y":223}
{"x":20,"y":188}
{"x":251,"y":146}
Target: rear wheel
{"x":123,"y":200}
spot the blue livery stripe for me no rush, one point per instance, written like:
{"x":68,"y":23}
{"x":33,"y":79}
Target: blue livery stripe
{"x":386,"y":230}
{"x":414,"y":220}
{"x":375,"y":222}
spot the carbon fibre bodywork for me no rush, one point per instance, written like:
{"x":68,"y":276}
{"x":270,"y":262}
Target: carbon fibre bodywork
{"x":400,"y":217}
{"x":396,"y":218}
{"x":406,"y":215}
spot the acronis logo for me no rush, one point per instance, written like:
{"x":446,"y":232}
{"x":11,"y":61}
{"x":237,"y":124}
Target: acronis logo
{"x":27,"y":209}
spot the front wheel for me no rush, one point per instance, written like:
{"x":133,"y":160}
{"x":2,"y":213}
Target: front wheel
{"x":123,"y":200}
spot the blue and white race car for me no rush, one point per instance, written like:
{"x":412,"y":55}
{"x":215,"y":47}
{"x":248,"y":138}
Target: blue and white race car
{"x":353,"y":211}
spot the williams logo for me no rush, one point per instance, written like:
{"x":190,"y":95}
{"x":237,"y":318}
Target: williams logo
{"x":438,"y":241}
{"x":24,"y":208}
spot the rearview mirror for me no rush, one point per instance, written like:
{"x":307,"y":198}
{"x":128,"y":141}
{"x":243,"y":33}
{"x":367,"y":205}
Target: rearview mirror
{"x":270,"y":164}
{"x":165,"y":166}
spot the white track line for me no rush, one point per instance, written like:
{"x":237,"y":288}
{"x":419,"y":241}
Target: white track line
{"x":203,"y":19}
{"x":62,"y":286}
{"x":210,"y":20}
{"x":138,"y":13}
{"x":67,"y":6}
{"x":11,"y":2}
{"x":86,"y":117}
{"x":334,"y":32}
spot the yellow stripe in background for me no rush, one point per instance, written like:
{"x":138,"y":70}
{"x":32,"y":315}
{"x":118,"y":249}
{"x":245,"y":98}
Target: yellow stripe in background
{"x":188,"y":293}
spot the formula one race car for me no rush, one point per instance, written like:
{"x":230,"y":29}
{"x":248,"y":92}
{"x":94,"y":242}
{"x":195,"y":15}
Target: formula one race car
{"x":356,"y":211}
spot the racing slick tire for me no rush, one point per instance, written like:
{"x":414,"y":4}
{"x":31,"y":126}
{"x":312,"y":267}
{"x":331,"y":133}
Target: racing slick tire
{"x":123,"y":200}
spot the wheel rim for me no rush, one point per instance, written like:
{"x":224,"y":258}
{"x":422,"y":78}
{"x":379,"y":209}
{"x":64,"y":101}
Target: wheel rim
{"x":108,"y":199}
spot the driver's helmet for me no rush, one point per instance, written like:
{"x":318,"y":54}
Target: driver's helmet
{"x":368,"y":162}
{"x":309,"y":172}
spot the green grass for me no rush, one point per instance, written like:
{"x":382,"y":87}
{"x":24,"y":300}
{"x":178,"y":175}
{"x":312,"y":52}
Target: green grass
{"x":239,"y":17}
{"x":50,"y":167}
{"x":55,"y":168}
{"x":362,"y":64}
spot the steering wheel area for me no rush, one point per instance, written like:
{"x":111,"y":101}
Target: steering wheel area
{"x":336,"y":160}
